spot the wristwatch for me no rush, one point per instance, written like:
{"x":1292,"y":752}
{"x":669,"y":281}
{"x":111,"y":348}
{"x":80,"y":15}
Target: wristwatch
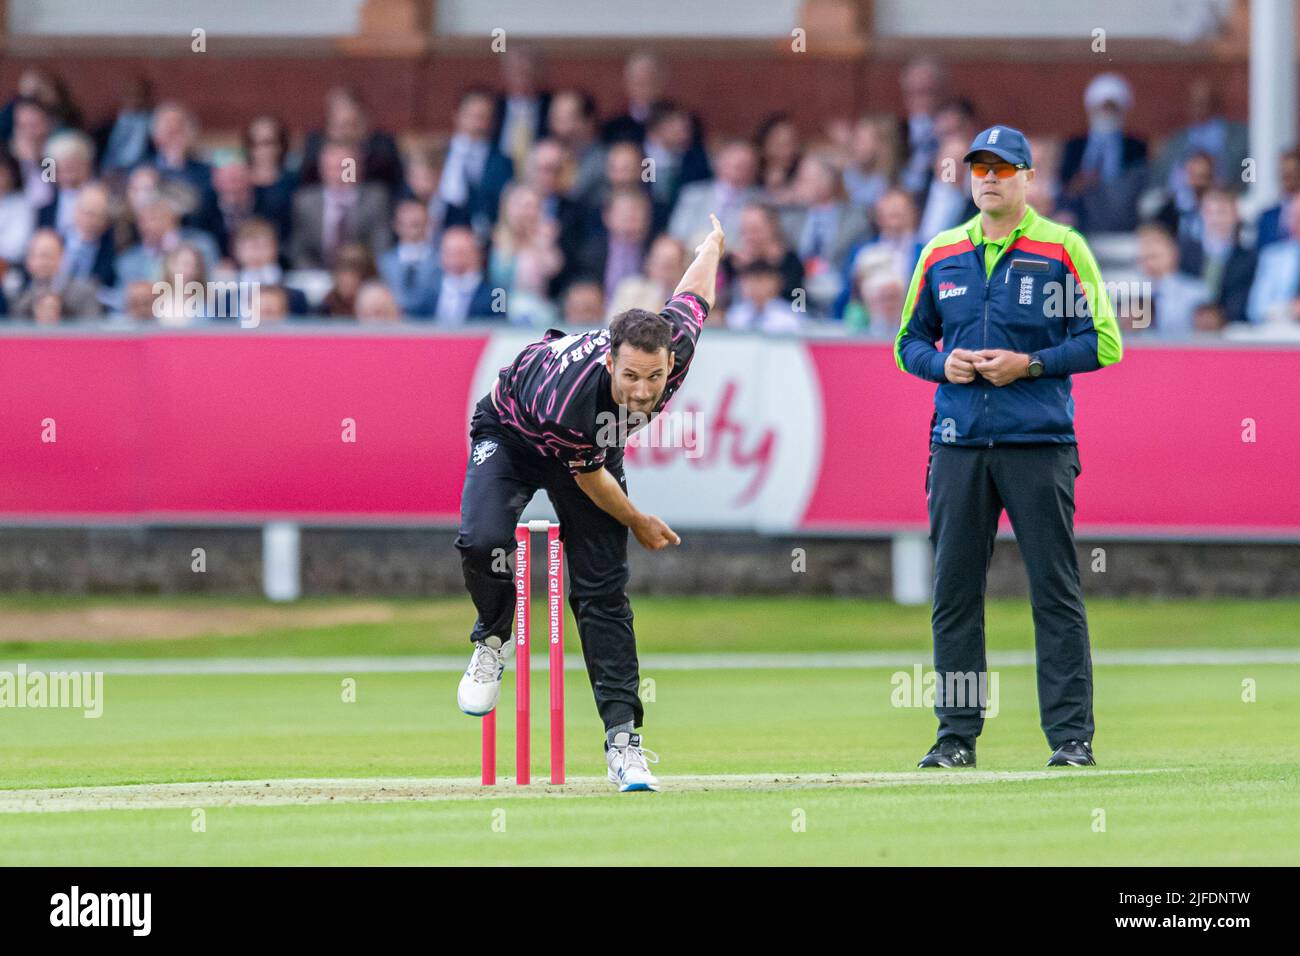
{"x":1035,"y":366}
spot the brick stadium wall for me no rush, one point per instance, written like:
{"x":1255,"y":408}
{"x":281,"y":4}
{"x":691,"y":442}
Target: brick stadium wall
{"x":423,"y":562}
{"x":731,"y":92}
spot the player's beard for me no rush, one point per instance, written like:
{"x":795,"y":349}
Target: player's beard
{"x":639,"y":408}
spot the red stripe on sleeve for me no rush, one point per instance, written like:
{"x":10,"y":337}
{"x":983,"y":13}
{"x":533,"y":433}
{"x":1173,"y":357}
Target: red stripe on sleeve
{"x":942,"y":252}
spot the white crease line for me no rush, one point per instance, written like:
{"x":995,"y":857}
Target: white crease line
{"x":814,"y":660}
{"x":309,"y":792}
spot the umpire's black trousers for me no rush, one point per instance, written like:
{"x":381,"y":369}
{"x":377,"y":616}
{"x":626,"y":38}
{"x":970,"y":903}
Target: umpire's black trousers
{"x":498,"y":485}
{"x":966,"y":489}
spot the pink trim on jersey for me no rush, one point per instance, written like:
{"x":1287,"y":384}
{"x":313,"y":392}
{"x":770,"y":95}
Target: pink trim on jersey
{"x":691,"y":303}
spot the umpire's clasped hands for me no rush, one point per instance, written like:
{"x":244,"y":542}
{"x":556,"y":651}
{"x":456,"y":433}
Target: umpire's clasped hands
{"x":999,"y":366}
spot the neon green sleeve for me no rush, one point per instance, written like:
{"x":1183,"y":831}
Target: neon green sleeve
{"x":914,"y":349}
{"x":1110,"y":347}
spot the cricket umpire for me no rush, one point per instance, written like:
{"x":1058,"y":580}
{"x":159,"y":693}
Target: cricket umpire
{"x":1001,"y":311}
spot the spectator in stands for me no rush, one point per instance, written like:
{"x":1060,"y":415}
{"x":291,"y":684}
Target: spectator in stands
{"x":89,"y":249}
{"x":779,"y":153}
{"x":266,"y":145}
{"x":896,"y":236}
{"x":174,"y":132}
{"x":1208,"y":320}
{"x":236,"y":202}
{"x":339,"y":210}
{"x":32,"y":127}
{"x":619,"y":250}
{"x":1104,"y":171}
{"x":73,"y":154}
{"x":1272,"y":221}
{"x":137,"y":302}
{"x":922,"y":82}
{"x":476,"y":171}
{"x":572,"y":122}
{"x":463,"y":292}
{"x":623,"y":171}
{"x":584,"y":303}
{"x":1040,"y":192}
{"x":239,"y":198}
{"x":410,"y":268}
{"x":823,"y":228}
{"x":878,"y":292}
{"x":955,"y":119}
{"x":544,"y":171}
{"x":48,"y":309}
{"x":159,"y":225}
{"x":142,"y":187}
{"x":947,"y":200}
{"x":1181,"y":213}
{"x":1275,"y":293}
{"x":1208,"y":132}
{"x":186,"y":299}
{"x":354,"y":266}
{"x":1175,"y":296}
{"x":376,"y":304}
{"x":256,"y":250}
{"x":521,"y":110}
{"x":759,"y":305}
{"x":17,"y":220}
{"x":348,"y":123}
{"x":44,"y":276}
{"x":952,"y":120}
{"x":1218,"y":258}
{"x":725,"y":195}
{"x":664,"y":264}
{"x":525,"y":256}
{"x":271,"y":305}
{"x":760,"y":238}
{"x":871,"y":153}
{"x":63,"y":108}
{"x":47,"y":90}
{"x":423,"y":173}
{"x":668,"y":147}
{"x":643,"y":83}
{"x":896,"y":229}
{"x":124,"y":143}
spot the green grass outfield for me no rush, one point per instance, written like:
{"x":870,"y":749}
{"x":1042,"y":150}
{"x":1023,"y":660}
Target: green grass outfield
{"x":1207,"y":778}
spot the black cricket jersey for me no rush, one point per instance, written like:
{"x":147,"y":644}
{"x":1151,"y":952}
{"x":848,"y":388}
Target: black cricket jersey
{"x":555,"y":396}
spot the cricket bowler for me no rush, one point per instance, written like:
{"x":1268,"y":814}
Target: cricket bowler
{"x":546,"y":424}
{"x":1019,"y":305}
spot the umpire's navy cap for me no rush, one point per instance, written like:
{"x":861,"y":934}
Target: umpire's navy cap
{"x":1003,"y":141}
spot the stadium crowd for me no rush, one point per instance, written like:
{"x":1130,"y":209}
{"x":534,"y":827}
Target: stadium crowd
{"x":532,"y":209}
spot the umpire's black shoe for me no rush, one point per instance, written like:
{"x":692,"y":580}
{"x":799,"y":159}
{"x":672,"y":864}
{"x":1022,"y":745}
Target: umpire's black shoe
{"x":1073,"y":753}
{"x":949,"y":752}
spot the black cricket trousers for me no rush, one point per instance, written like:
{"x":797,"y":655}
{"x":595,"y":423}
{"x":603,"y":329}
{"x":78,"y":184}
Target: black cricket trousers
{"x":498,"y":486}
{"x":966,"y":490}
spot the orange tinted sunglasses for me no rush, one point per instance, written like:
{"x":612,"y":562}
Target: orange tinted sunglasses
{"x":1000,"y":170}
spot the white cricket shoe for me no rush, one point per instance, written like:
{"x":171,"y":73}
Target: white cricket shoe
{"x":481,"y":685}
{"x":627,"y":764}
